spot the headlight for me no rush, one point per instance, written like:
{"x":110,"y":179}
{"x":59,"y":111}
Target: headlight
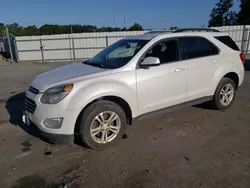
{"x":56,"y":94}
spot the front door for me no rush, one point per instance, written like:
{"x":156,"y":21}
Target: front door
{"x":164,"y":85}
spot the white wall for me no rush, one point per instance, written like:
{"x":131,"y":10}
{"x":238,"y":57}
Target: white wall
{"x":26,"y":43}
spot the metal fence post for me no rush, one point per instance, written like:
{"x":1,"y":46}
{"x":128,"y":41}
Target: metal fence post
{"x":70,"y":52}
{"x":41,"y":47}
{"x":248,"y":41}
{"x":107,"y":41}
{"x":73,"y":46}
{"x":16,"y":51}
{"x":243,"y":39}
{"x":9,"y":44}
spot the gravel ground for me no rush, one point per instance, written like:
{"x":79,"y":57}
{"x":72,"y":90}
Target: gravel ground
{"x":192,"y":147}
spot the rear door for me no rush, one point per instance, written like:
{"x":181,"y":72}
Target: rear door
{"x":201,"y":57}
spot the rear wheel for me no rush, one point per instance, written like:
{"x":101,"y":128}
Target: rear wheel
{"x":102,"y":124}
{"x":225,"y":94}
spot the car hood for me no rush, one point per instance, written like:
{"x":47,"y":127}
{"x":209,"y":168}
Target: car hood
{"x":67,"y":74}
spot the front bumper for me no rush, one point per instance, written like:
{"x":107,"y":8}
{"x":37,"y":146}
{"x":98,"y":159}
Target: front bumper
{"x":57,"y":138}
{"x":52,"y":138}
{"x":62,"y":135}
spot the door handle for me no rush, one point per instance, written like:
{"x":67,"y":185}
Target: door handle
{"x":215,"y":61}
{"x":180,"y":69}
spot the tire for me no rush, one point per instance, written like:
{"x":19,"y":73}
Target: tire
{"x":217,"y":102}
{"x":91,"y":121}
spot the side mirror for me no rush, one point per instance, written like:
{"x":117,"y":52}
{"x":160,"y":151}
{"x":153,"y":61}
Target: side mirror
{"x":150,"y":61}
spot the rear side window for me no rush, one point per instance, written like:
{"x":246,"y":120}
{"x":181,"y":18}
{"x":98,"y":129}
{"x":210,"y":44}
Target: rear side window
{"x":228,"y":41}
{"x":196,"y":47}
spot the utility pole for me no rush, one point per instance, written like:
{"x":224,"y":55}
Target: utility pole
{"x":124,"y":21}
{"x":113,"y":12}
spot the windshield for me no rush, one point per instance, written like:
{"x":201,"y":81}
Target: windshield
{"x":117,"y":54}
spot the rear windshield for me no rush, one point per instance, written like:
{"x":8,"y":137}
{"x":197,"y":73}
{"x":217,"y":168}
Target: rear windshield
{"x":228,"y":41}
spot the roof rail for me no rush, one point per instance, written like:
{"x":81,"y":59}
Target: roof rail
{"x":160,"y":31}
{"x":196,"y":30}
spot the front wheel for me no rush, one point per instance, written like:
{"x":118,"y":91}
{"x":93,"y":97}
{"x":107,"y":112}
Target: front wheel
{"x":102,"y":124}
{"x":224,"y":94}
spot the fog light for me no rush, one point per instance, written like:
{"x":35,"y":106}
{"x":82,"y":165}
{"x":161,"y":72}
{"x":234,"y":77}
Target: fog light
{"x":53,"y":123}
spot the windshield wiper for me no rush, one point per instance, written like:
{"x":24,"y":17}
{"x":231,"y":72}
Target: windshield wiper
{"x":100,"y":65}
{"x":86,"y":62}
{"x":97,"y":65}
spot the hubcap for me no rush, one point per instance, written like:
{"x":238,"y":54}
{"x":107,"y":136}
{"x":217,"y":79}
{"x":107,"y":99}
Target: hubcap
{"x":105,"y":127}
{"x":226,"y":94}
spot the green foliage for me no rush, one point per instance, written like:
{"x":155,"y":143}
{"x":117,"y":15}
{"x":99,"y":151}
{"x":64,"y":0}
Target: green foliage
{"x":222,"y":15}
{"x":15,"y":29}
{"x":31,"y":30}
{"x":172,"y":28}
{"x":108,"y":29}
{"x":244,"y":14}
{"x":49,"y":29}
{"x":136,"y":27}
{"x":2,"y":28}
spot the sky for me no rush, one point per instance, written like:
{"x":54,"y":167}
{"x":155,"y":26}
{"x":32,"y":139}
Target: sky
{"x":151,"y":14}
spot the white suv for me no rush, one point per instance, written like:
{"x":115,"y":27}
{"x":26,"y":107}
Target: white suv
{"x":133,"y":77}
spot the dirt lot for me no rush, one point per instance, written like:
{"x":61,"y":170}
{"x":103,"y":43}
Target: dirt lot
{"x":193,"y":147}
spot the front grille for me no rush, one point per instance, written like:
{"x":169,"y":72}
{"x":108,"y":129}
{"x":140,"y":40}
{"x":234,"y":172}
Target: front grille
{"x":33,"y":90}
{"x":30,"y":105}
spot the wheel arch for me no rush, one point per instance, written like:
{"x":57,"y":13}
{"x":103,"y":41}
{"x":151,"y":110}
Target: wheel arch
{"x":225,"y":72}
{"x":233,"y":76}
{"x":117,"y":100}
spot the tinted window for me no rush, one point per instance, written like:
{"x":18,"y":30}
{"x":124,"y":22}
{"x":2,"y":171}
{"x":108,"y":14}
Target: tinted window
{"x":228,"y":41}
{"x":195,"y":47}
{"x":166,"y":51}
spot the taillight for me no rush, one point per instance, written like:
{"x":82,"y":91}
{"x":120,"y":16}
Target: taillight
{"x":242,"y":57}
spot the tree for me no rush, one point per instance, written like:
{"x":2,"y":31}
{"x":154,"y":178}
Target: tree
{"x":244,"y":14}
{"x":50,"y":29}
{"x":136,"y":27}
{"x":221,"y":14}
{"x":16,"y":30}
{"x":2,"y":28}
{"x":88,"y":28}
{"x":31,"y":30}
{"x":231,"y":18}
{"x":105,"y":29}
{"x":124,"y":29}
{"x":172,"y":28}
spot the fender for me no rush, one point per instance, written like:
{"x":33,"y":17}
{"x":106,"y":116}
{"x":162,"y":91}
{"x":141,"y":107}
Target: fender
{"x":221,"y":71}
{"x":88,"y":93}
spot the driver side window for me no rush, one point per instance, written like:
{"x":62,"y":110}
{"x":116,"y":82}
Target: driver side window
{"x":166,"y":51}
